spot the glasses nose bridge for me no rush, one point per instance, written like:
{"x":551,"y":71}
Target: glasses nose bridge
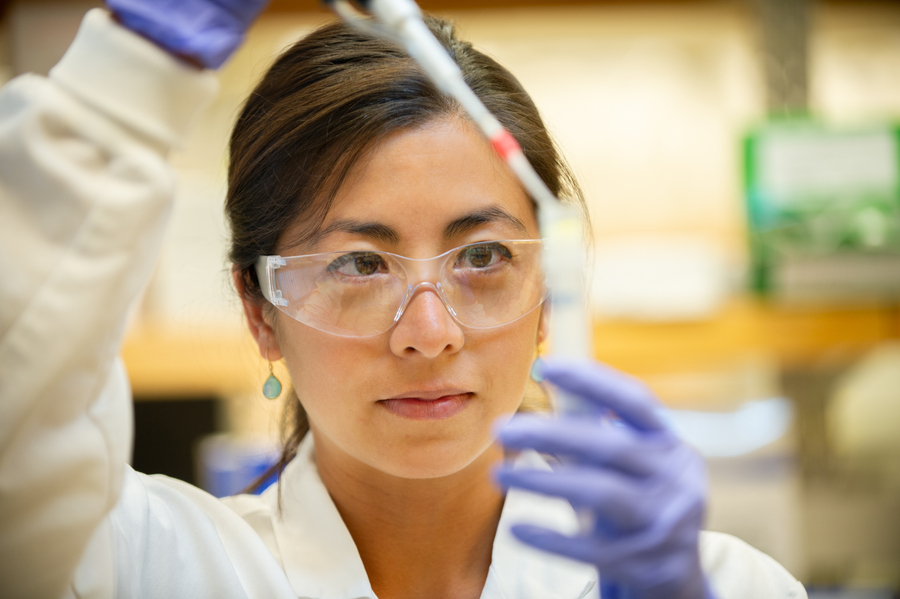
{"x":424,"y":274}
{"x":422,"y":270}
{"x":413,"y":290}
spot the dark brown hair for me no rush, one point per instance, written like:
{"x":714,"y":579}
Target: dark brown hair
{"x":324,"y":102}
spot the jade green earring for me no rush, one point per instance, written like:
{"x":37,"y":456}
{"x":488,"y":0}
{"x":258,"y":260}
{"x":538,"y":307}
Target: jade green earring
{"x":272,"y":387}
{"x":537,"y":367}
{"x":537,"y":370}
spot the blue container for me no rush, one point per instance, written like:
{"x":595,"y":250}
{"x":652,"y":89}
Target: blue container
{"x":228,"y":464}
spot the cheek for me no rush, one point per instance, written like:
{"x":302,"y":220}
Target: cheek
{"x":508,"y":360}
{"x":322,"y":367}
{"x":332,"y":377}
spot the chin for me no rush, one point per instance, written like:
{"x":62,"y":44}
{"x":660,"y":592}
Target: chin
{"x":437,"y":460}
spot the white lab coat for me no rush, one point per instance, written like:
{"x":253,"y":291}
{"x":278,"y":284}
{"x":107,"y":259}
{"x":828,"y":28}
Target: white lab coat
{"x":85,"y":192}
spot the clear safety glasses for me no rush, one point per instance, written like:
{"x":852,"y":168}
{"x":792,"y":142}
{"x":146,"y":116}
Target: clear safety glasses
{"x":363,"y":293}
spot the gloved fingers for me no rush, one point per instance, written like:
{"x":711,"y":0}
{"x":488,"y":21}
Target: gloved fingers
{"x":203,"y":31}
{"x":616,"y":552}
{"x":581,"y":548}
{"x":640,"y":573}
{"x":587,"y":441}
{"x":607,"y":388}
{"x":617,"y":502}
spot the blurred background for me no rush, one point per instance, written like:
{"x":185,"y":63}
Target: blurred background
{"x":740,"y":161}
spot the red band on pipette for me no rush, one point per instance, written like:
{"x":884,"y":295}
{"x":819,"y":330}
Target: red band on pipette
{"x":505,"y":144}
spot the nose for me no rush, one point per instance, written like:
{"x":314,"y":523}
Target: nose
{"x":426,"y":327}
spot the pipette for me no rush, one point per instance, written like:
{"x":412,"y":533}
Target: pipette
{"x":560,"y":224}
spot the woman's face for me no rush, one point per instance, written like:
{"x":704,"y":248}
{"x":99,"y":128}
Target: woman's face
{"x":419,"y":193}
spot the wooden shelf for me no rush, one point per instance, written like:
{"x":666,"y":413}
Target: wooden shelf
{"x":794,"y":336}
{"x":163,"y":362}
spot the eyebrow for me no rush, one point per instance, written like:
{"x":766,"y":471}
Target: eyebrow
{"x":381,"y":232}
{"x":372,"y":230}
{"x":481,"y":217}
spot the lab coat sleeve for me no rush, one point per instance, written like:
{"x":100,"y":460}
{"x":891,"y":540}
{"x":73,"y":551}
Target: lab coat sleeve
{"x":84,"y":195}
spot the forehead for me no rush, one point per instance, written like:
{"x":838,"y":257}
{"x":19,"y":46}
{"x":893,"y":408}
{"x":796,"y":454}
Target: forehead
{"x":418,"y":182}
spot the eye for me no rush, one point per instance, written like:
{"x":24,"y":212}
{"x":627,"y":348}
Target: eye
{"x":359,"y":264}
{"x":482,"y":256}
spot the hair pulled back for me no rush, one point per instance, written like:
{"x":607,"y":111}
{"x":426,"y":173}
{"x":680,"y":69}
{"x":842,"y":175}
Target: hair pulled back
{"x":322,"y":105}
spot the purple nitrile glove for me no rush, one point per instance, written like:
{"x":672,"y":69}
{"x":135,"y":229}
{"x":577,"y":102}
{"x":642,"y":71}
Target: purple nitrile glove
{"x":644,"y":489}
{"x":207,"y":31}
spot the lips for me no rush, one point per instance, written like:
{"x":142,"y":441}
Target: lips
{"x":428,"y":405}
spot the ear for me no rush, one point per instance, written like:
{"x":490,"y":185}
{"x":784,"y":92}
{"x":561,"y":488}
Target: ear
{"x":261,"y":330}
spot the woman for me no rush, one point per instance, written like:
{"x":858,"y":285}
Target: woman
{"x":358,"y":179}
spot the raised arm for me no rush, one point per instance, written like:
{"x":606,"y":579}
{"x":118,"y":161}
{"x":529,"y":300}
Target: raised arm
{"x":85,"y":191}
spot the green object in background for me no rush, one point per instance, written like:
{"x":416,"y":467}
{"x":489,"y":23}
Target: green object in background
{"x":823,"y":209}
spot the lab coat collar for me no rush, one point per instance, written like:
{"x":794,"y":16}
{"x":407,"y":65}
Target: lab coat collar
{"x":321,"y":560}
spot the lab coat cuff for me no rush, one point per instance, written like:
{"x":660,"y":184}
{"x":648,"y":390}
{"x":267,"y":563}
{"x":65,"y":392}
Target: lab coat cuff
{"x":133,"y":80}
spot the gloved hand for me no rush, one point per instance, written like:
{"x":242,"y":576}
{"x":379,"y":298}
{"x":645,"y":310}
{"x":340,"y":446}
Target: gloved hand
{"x":206,"y":31}
{"x":644,"y":488}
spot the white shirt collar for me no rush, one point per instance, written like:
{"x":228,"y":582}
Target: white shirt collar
{"x":322,"y":562}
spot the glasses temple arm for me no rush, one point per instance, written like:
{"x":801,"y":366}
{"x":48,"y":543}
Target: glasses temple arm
{"x":265,"y":274}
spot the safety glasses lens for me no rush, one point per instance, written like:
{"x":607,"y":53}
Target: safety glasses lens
{"x":359,"y":294}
